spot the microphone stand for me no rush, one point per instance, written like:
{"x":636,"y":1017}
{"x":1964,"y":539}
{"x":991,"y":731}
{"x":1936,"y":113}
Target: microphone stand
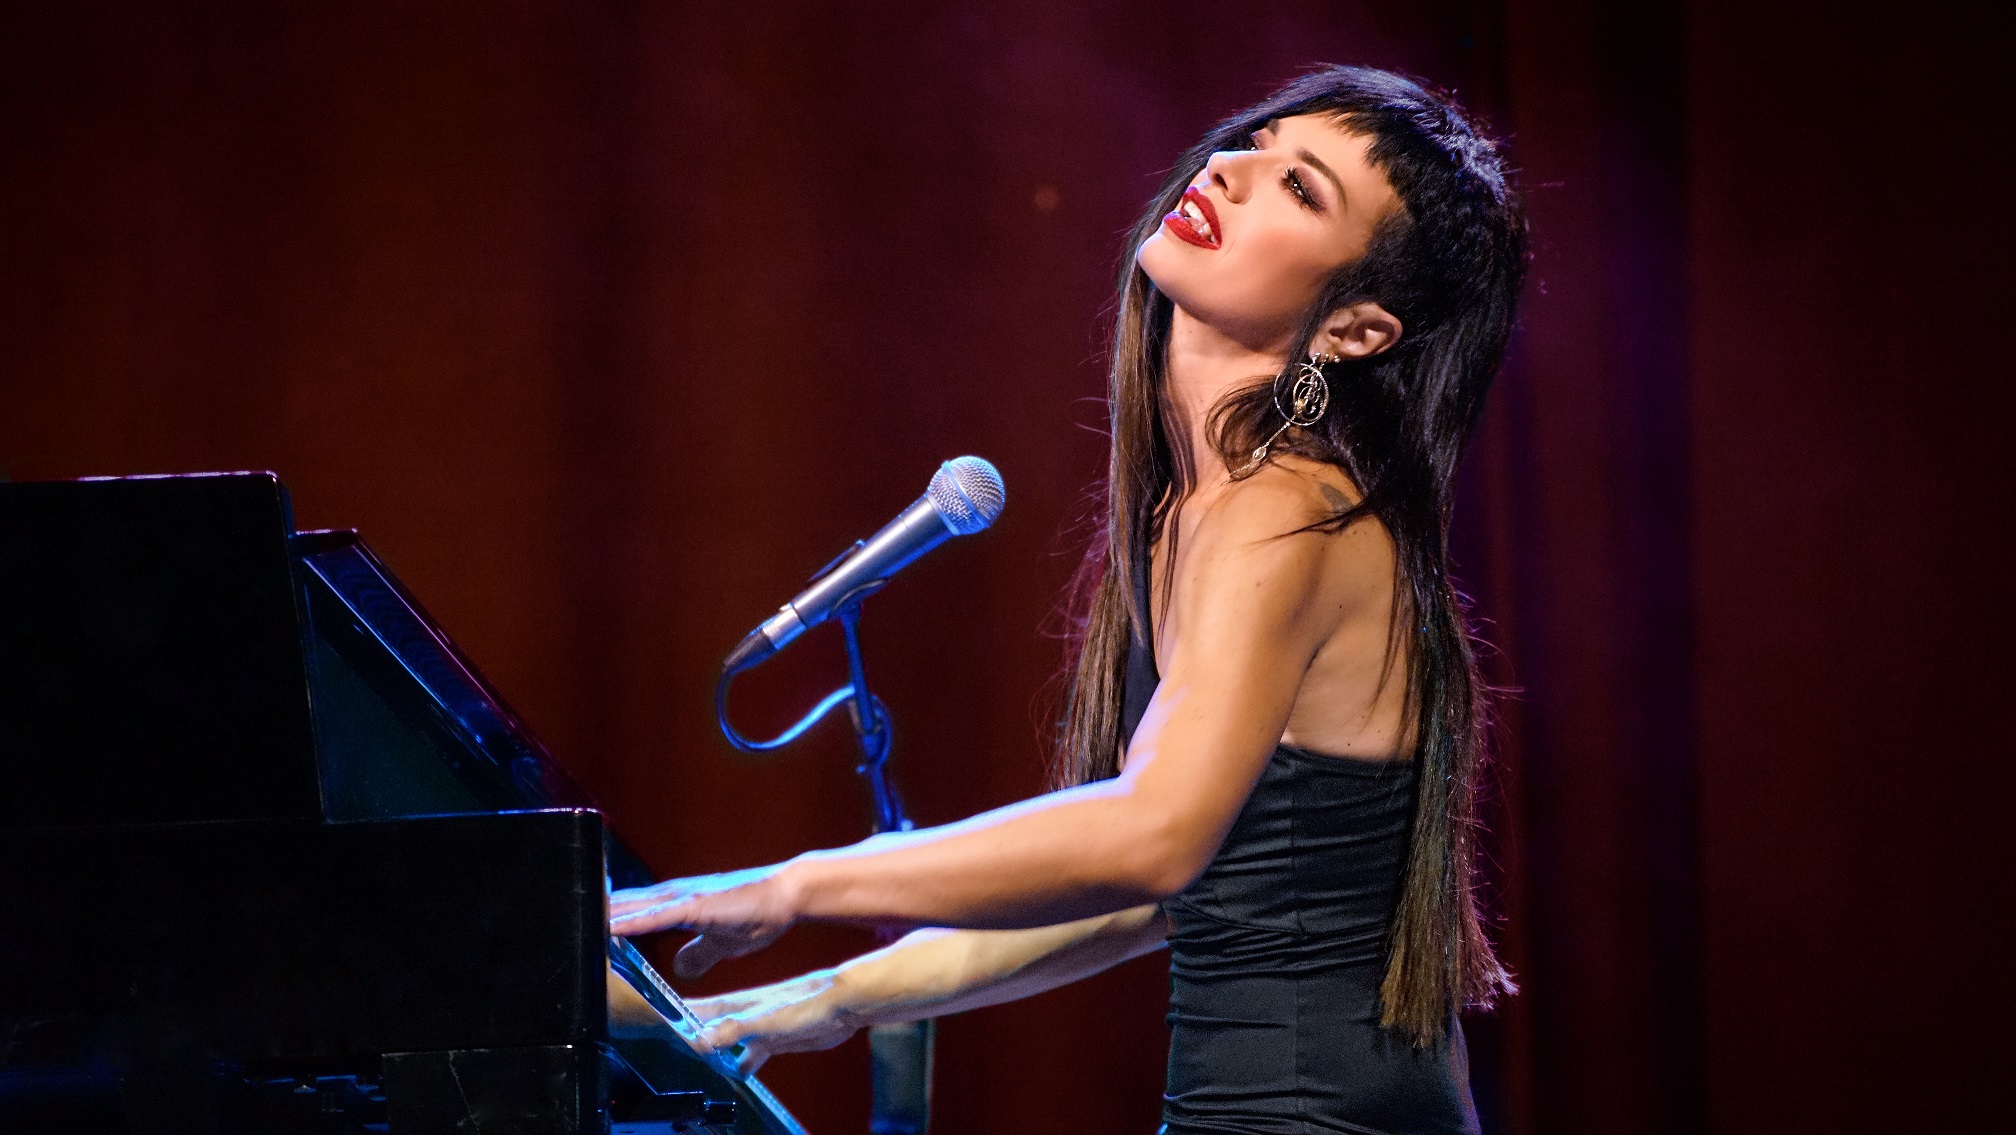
{"x":871,"y":728}
{"x":899,"y":1055}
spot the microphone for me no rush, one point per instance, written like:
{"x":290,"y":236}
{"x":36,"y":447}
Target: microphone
{"x":964,"y":497}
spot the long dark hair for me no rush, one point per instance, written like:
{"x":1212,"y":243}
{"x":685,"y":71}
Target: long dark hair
{"x":1449,"y":264}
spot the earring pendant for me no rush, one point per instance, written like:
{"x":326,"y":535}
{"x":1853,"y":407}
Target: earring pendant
{"x":1307,"y":400}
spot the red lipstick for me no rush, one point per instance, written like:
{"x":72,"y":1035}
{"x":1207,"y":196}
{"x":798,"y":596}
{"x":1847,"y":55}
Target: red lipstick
{"x":1201,"y":229}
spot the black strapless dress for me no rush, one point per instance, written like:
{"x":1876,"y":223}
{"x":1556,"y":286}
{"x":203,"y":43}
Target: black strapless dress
{"x":1276,"y":953}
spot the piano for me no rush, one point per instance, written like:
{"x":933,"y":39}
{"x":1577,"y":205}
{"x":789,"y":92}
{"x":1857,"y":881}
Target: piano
{"x":275,"y":858}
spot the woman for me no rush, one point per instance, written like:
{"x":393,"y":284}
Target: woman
{"x":1274,"y":728}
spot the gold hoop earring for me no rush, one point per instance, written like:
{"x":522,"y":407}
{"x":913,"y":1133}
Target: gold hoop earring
{"x":1308,"y":399}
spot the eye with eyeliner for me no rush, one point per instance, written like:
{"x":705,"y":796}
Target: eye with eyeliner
{"x":1292,"y":181}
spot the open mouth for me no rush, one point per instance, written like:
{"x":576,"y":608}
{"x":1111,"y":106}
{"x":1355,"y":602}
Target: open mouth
{"x":1195,"y":220}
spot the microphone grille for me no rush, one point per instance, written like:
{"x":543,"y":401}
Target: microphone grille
{"x":968,"y":493}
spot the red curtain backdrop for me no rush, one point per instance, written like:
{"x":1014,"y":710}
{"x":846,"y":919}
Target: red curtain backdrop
{"x":608,"y":323}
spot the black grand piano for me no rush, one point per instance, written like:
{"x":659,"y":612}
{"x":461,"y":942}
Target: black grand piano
{"x":274,"y":858}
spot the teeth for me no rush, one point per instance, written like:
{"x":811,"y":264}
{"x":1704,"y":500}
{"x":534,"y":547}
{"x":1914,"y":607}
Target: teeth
{"x":1196,"y":216}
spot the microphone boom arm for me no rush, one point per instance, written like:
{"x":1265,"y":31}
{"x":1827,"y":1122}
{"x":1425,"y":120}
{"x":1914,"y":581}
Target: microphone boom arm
{"x":870,"y":716}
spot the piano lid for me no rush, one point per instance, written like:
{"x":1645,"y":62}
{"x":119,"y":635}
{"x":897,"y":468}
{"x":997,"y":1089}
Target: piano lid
{"x":405,"y":724}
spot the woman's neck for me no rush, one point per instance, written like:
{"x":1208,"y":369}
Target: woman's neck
{"x":1203,"y":366}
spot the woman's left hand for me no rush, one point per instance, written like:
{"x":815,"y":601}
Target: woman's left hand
{"x":735,"y":913}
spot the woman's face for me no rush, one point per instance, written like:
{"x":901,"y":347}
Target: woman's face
{"x":1260,"y":230}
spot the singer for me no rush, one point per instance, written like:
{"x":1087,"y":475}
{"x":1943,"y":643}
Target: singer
{"x":1270,"y":749}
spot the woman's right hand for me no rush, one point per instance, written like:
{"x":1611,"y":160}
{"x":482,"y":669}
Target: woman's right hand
{"x":803,"y":1014}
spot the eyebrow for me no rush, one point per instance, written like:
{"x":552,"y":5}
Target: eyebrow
{"x":1317,"y":162}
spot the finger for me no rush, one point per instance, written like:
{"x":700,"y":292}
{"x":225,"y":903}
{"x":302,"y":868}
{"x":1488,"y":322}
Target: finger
{"x":714,"y":1010}
{"x":651,"y":919}
{"x":632,"y":899}
{"x":633,"y":926}
{"x":695,"y":958}
{"x":752,"y":1058}
{"x":710,"y":1009}
{"x":668,"y":893}
{"x":725,"y":1033}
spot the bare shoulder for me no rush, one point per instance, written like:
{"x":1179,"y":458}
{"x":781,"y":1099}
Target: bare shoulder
{"x":1271,"y":502}
{"x":1269,"y":519}
{"x":1286,"y":496}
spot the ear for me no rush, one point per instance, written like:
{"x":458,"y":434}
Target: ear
{"x":1357,"y":332}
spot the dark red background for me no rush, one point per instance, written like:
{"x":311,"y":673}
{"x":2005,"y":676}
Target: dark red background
{"x":608,"y":323}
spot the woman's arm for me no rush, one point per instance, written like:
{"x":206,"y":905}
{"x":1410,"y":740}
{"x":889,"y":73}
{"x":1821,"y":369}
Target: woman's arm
{"x":1253,"y":605}
{"x":929,"y":973}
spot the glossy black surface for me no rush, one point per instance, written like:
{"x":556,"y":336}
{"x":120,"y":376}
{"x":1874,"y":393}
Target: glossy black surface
{"x":151,"y":663}
{"x":275,"y":858}
{"x":495,"y":1091}
{"x":271,"y":940}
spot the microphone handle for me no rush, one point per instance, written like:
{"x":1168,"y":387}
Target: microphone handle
{"x":915,"y":531}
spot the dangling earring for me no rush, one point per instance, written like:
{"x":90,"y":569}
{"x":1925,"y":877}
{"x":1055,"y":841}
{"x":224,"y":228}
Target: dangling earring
{"x":1308,"y":398}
